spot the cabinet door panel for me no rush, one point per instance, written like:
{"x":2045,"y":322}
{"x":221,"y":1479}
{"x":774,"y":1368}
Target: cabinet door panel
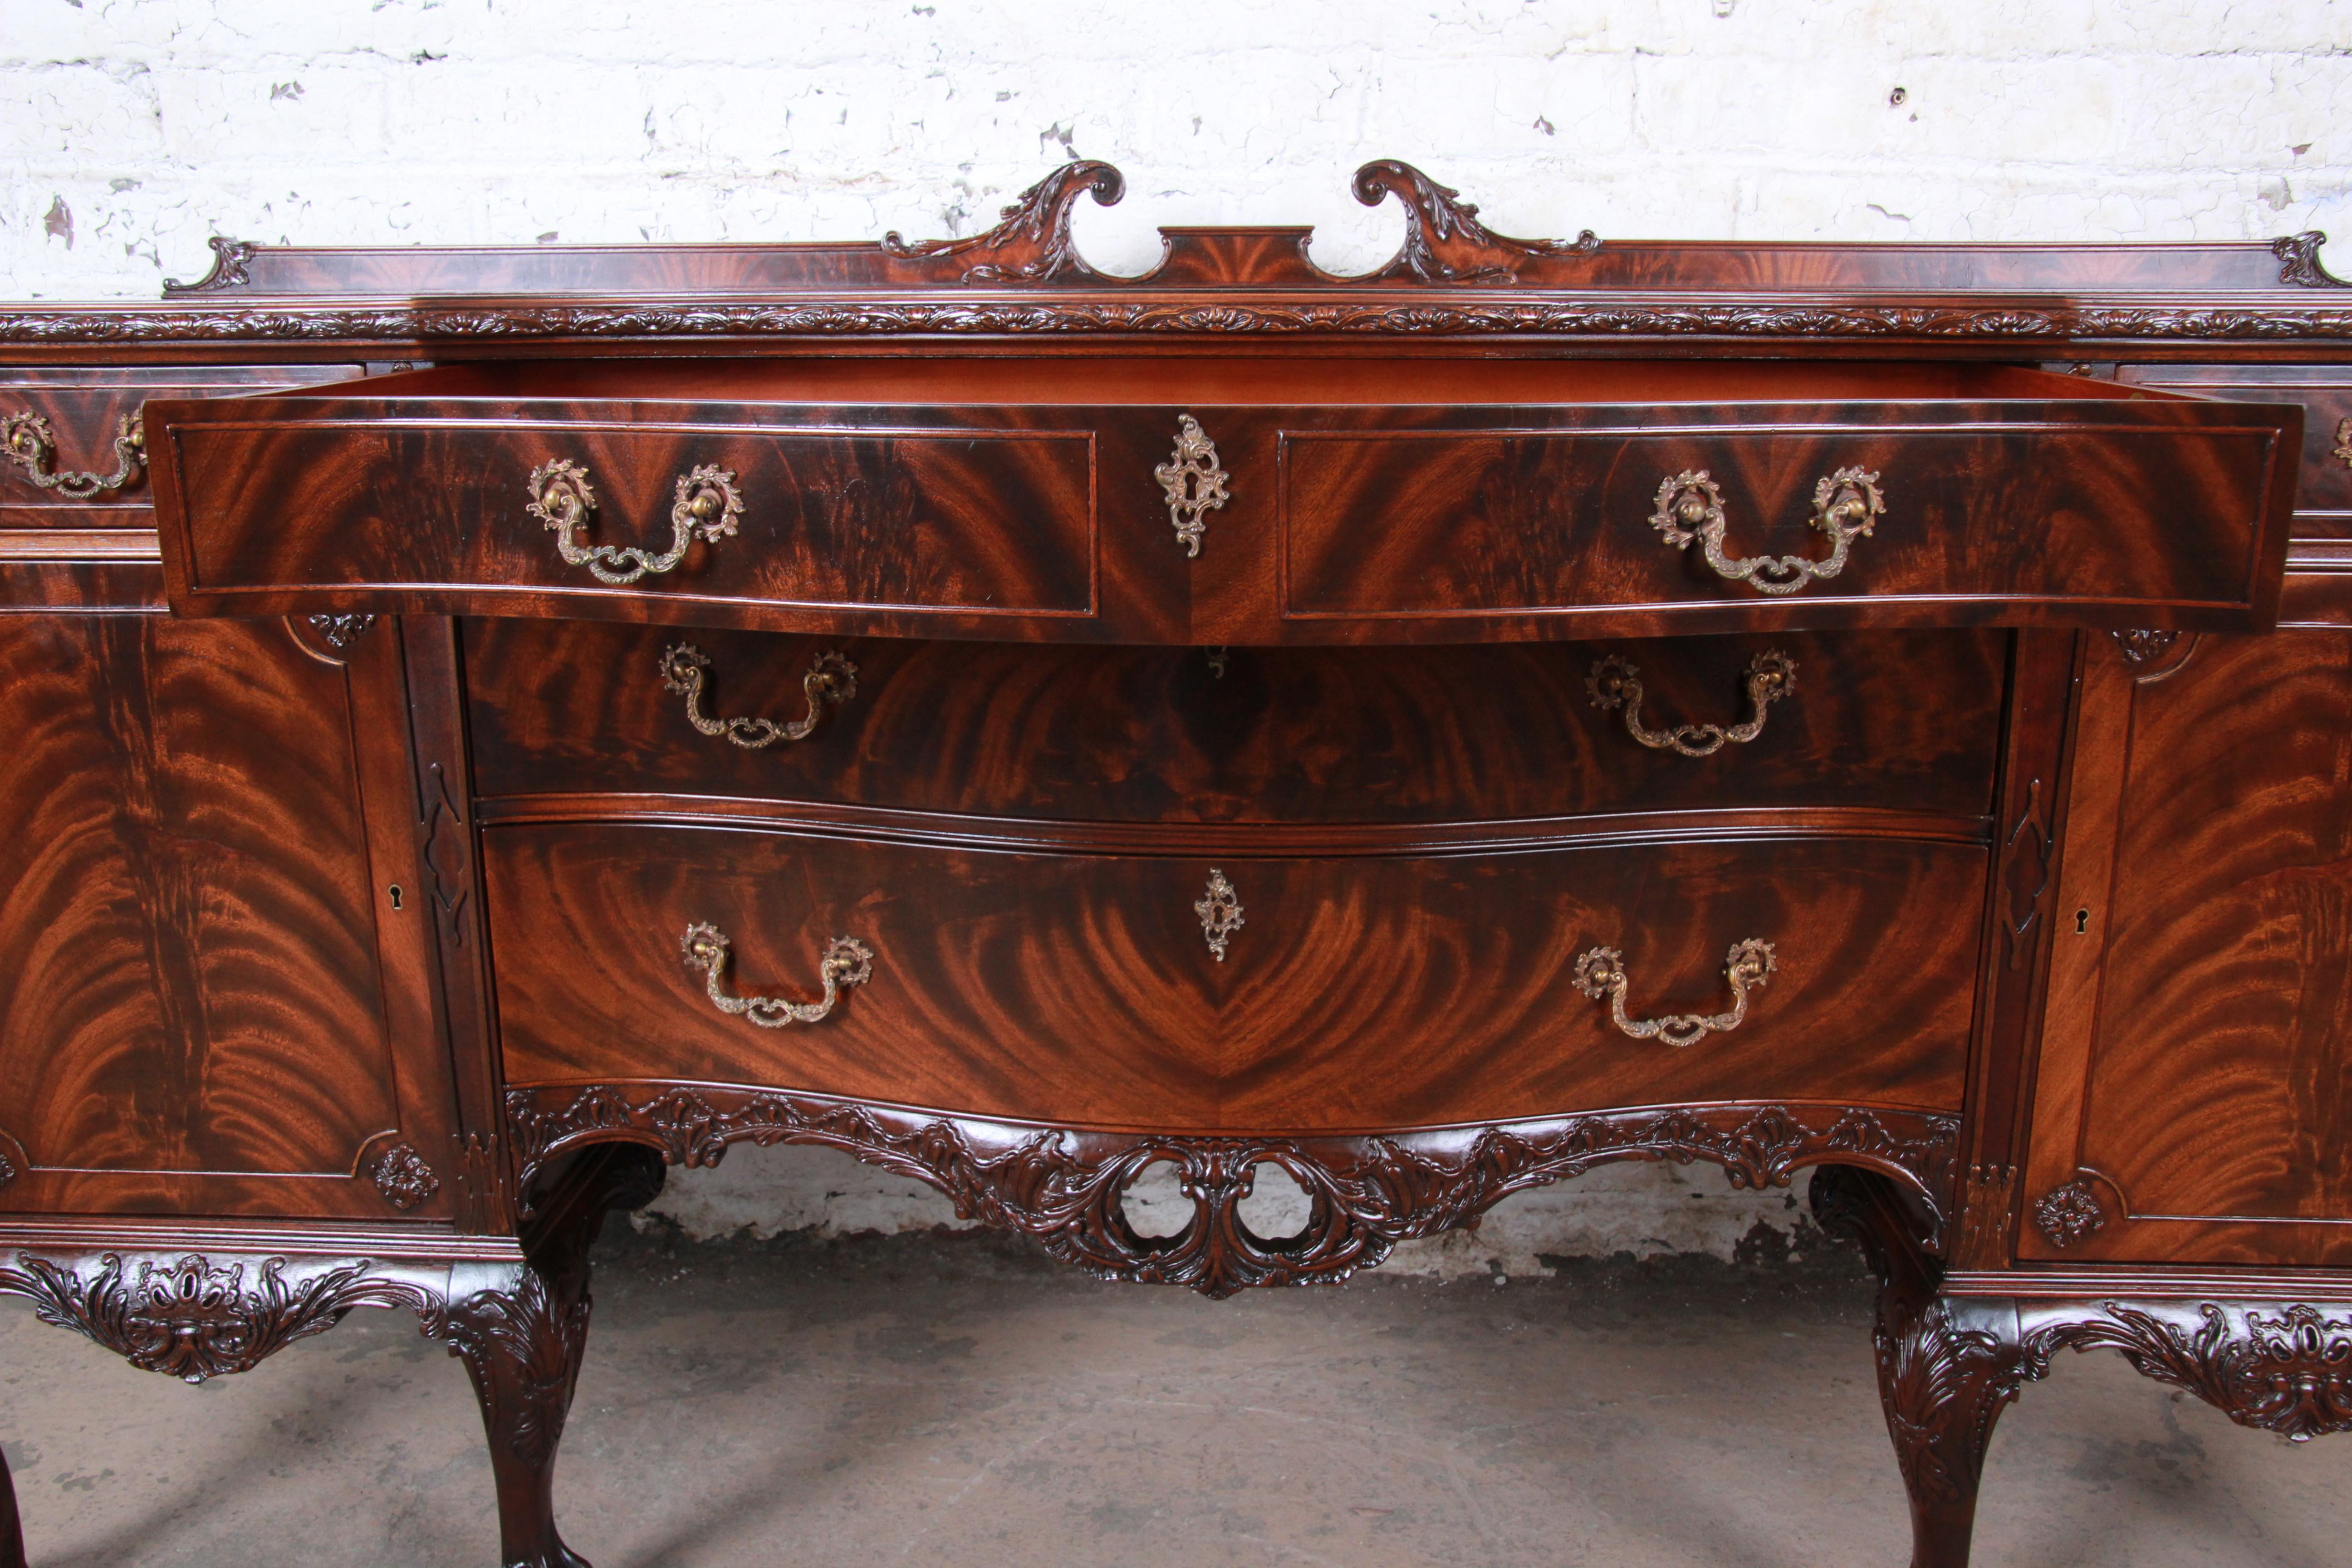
{"x":195,"y":939}
{"x":2195,"y":1093}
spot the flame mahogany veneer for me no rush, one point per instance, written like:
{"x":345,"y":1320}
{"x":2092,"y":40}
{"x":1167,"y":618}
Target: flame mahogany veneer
{"x":487,"y":723}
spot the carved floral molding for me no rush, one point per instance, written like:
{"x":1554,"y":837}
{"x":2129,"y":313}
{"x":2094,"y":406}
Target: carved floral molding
{"x":1065,"y":1185}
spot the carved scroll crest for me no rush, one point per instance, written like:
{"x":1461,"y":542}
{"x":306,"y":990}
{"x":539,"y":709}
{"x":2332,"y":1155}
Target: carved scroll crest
{"x":1034,"y":243}
{"x":1443,"y":240}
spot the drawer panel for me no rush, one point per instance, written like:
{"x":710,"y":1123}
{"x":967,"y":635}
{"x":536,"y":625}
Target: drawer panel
{"x":1356,"y":993}
{"x":65,"y":422}
{"x":1467,"y":733}
{"x":982,"y":522}
{"x":2324,"y":494}
{"x":1249,"y":503}
{"x":1485,"y":522}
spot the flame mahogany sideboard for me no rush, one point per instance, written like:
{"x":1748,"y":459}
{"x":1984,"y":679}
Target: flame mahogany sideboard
{"x":484,"y":724}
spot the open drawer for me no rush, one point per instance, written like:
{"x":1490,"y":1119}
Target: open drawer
{"x":1207,"y":500}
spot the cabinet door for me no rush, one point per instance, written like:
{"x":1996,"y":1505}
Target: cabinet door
{"x":212,"y":1001}
{"x":2194,"y":1096}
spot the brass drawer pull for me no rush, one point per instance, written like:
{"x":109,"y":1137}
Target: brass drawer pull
{"x":26,"y":440}
{"x":1616,"y":682}
{"x":847,"y":962}
{"x":831,"y":680}
{"x":1690,"y":506}
{"x":1193,"y":482}
{"x":707,"y":506}
{"x":1601,"y":972}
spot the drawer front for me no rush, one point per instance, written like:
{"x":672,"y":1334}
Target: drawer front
{"x":2323,"y":492}
{"x":653,"y":521}
{"x":1921,"y":520}
{"x":1352,"y":993}
{"x":72,"y":453}
{"x":1307,"y":735}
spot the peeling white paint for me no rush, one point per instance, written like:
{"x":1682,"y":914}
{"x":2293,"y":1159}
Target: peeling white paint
{"x":157,"y":125}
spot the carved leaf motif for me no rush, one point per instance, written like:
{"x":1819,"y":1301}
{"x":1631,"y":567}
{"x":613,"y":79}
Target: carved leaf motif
{"x":2291,"y":1375}
{"x":1443,"y":240}
{"x":404,"y":1178}
{"x":1365,"y":1195}
{"x":530,"y":1334}
{"x":1034,"y":243}
{"x":2298,"y":256}
{"x":192,"y":1318}
{"x":230,"y":259}
{"x":1387,"y":317}
{"x":341,"y":631}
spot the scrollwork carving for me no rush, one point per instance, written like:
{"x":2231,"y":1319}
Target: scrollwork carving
{"x":1034,"y":243}
{"x":230,"y":260}
{"x":1365,"y":1195}
{"x":193,"y":1319}
{"x":2144,"y":644}
{"x":2290,"y":1373}
{"x":2298,"y":256}
{"x":340,"y":630}
{"x":1443,"y":240}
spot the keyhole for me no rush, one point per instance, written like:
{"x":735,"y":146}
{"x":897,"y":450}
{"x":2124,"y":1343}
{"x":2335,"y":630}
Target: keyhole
{"x":394,"y":891}
{"x":2082,"y":923}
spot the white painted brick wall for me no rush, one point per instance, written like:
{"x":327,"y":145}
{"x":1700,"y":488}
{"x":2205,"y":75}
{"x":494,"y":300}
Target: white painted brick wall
{"x":130,"y":133}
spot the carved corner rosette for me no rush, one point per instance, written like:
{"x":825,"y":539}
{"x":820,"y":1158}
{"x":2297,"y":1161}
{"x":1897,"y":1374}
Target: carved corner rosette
{"x":2070,"y":1213}
{"x":1064,"y":1186}
{"x":1443,"y":240}
{"x":231,"y":259}
{"x":1034,"y":243}
{"x":2288,"y":1372}
{"x":404,"y":1178}
{"x":340,"y":630}
{"x":189,"y":1317}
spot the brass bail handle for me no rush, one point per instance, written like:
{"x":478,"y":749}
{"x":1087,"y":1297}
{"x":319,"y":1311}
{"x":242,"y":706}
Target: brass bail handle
{"x":846,"y":962}
{"x":831,"y":681}
{"x":706,"y":506}
{"x":1600,"y":971}
{"x":1846,"y":505}
{"x":1616,"y":682}
{"x":26,"y":440}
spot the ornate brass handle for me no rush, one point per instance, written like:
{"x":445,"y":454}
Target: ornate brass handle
{"x":26,"y":440}
{"x":1193,"y":482}
{"x":707,"y":506}
{"x":831,"y":679}
{"x":1690,"y":507}
{"x":847,"y":962}
{"x":1601,"y":972}
{"x":1617,"y":683}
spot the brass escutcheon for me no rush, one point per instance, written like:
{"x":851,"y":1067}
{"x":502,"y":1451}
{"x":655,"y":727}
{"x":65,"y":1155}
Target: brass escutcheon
{"x":1193,"y":482}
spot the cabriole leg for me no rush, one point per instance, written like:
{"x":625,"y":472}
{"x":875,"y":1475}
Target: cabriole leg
{"x":522,"y":1333}
{"x":1946,"y":1368}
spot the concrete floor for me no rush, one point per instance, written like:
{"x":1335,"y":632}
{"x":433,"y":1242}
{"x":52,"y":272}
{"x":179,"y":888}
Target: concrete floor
{"x":955,"y":1400}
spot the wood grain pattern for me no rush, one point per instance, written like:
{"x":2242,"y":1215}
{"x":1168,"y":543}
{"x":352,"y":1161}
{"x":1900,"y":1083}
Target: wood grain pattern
{"x":981,"y":522}
{"x":2323,"y":506}
{"x":192,"y":1011}
{"x":1281,"y":735}
{"x":84,"y":406}
{"x":2205,"y":1103}
{"x":1368,"y":994}
{"x":1364,"y":507}
{"x":2015,"y":515}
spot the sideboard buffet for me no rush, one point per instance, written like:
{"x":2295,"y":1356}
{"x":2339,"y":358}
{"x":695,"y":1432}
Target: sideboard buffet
{"x":484,"y":724}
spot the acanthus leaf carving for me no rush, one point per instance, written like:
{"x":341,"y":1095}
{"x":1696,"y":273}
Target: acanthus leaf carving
{"x":1369,"y":311}
{"x":1034,"y":243}
{"x":1443,"y":240}
{"x":2291,"y":1375}
{"x":340,"y":630}
{"x":193,"y":1319}
{"x":2298,"y":256}
{"x":231,"y":257}
{"x":527,"y":1341}
{"x":1365,"y":1195}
